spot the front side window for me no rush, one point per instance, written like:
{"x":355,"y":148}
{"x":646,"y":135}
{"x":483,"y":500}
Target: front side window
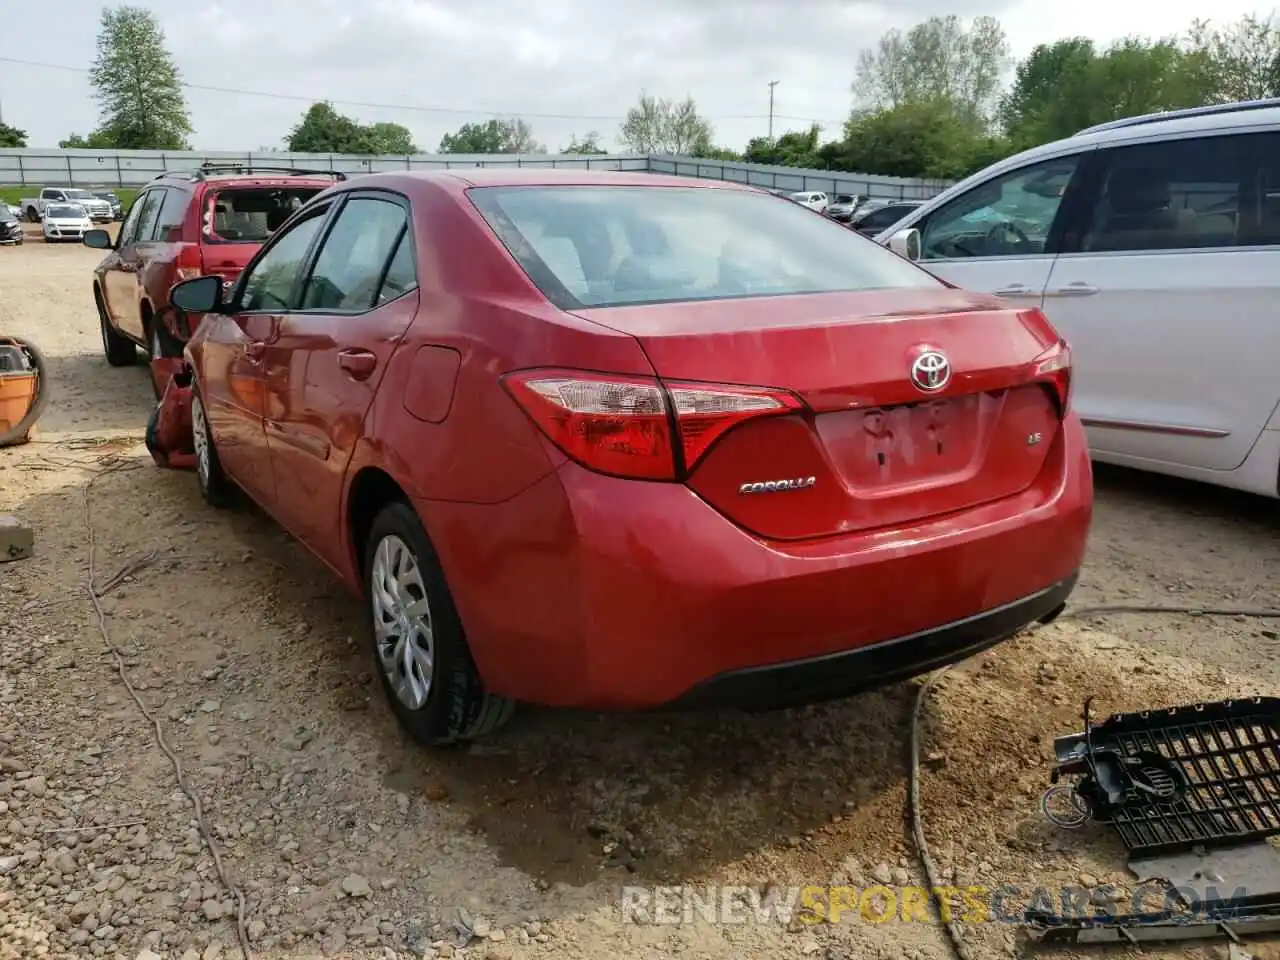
{"x":268,"y":285}
{"x":1008,"y":216}
{"x":348,"y":271}
{"x":1181,"y":194}
{"x":586,"y":246}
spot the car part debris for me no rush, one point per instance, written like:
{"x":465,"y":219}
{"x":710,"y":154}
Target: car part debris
{"x":1138,"y":928}
{"x":1170,"y":780}
{"x":23,"y":390}
{"x":17,"y":540}
{"x":169,"y":437}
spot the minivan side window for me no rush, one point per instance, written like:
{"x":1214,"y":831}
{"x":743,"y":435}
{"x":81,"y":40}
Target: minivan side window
{"x":1182,"y":194}
{"x":1008,"y":216}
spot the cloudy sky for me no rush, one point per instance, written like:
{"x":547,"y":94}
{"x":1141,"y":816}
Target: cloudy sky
{"x":567,"y":66}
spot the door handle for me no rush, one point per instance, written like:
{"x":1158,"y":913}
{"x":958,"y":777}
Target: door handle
{"x":359,"y":364}
{"x":255,"y":350}
{"x":1076,"y":289}
{"x":1016,"y":290}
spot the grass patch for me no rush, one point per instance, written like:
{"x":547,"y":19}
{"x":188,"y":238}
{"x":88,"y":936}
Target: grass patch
{"x":14,"y":194}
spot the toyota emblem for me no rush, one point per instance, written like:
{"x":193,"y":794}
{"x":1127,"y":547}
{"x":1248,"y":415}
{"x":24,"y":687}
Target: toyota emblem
{"x":931,"y":371}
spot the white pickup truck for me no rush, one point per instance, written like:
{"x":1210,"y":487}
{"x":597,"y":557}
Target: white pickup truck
{"x":33,"y":207}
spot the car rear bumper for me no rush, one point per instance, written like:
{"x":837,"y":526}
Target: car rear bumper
{"x":839,"y":674}
{"x":589,"y":591}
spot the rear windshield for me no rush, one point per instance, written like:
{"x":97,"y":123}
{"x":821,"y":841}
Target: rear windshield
{"x":588,"y":246}
{"x":64,"y":211}
{"x":251,"y":214}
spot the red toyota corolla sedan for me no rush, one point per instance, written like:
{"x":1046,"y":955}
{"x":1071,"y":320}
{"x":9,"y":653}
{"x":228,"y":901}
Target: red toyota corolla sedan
{"x":621,"y":441}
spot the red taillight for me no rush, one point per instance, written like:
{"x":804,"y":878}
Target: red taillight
{"x":1054,"y":366}
{"x":623,"y":425}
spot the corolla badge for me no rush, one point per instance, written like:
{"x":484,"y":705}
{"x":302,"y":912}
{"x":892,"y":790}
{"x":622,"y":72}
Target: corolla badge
{"x":777,"y":486}
{"x":931,"y":371}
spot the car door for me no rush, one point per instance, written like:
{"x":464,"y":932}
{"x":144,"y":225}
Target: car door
{"x":121,"y":288}
{"x":234,"y":352}
{"x":330,"y":355}
{"x":1174,"y":300}
{"x":1002,"y":235}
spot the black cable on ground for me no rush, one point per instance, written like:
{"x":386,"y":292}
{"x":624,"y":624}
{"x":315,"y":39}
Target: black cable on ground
{"x":18,"y":432}
{"x":958,"y":945}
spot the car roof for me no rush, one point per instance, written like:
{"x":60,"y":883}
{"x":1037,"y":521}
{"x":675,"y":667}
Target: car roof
{"x":456,"y":181}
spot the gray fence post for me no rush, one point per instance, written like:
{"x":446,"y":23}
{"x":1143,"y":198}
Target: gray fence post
{"x":71,"y":180}
{"x":22,"y":174}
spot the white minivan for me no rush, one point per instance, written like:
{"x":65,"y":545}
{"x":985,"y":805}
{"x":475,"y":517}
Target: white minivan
{"x":1153,"y":245}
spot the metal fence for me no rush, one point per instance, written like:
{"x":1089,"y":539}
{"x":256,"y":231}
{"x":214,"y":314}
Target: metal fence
{"x":133,"y":168}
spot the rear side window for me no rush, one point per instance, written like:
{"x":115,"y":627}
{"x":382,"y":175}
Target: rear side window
{"x":402,"y":271}
{"x":146,"y":224}
{"x":349,"y":271}
{"x":586,"y":246}
{"x":1176,"y":195}
{"x":173,"y":210}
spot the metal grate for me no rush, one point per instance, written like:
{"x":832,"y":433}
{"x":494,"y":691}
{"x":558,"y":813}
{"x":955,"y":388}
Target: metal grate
{"x":1230,"y":754}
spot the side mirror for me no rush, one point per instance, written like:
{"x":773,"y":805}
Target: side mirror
{"x":906,"y":243}
{"x":98,"y":239}
{"x":201,"y":295}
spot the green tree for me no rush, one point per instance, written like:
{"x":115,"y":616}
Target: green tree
{"x":792,"y":149}
{"x":1242,"y":59}
{"x":939,"y":59}
{"x":659,"y":125}
{"x":588,"y":146}
{"x":323,"y":129}
{"x":927,"y":138}
{"x":12,"y":136}
{"x":391,"y":138}
{"x":1052,"y":95}
{"x":138,"y":88}
{"x":494,"y":136}
{"x":97,"y":140}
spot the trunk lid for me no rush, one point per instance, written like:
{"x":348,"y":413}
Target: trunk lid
{"x":879,"y":450}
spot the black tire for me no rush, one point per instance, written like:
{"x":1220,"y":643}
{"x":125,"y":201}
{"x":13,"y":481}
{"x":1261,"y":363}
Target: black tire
{"x":215,"y":486}
{"x":33,"y":215}
{"x":119,"y":349}
{"x":456,"y":708}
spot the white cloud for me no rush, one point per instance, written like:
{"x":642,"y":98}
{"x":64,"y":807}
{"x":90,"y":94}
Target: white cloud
{"x":578,"y":63}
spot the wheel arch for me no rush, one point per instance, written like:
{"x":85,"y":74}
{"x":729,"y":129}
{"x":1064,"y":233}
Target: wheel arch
{"x":371,"y":489}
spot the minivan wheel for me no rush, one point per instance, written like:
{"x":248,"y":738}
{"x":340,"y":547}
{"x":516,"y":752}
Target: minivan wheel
{"x":215,"y":486}
{"x":419,"y":648}
{"x":119,"y":350}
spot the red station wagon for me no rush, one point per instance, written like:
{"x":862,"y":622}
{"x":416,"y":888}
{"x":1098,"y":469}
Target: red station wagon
{"x":622,"y":441}
{"x":209,"y":221}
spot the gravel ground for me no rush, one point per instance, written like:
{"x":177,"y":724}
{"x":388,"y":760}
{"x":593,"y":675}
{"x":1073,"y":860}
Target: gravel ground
{"x":346,"y":841}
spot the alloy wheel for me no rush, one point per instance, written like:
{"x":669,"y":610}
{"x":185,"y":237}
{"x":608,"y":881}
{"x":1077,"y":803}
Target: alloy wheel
{"x":402,"y":621}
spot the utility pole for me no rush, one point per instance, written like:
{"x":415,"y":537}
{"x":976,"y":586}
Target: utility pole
{"x":772,"y":84}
